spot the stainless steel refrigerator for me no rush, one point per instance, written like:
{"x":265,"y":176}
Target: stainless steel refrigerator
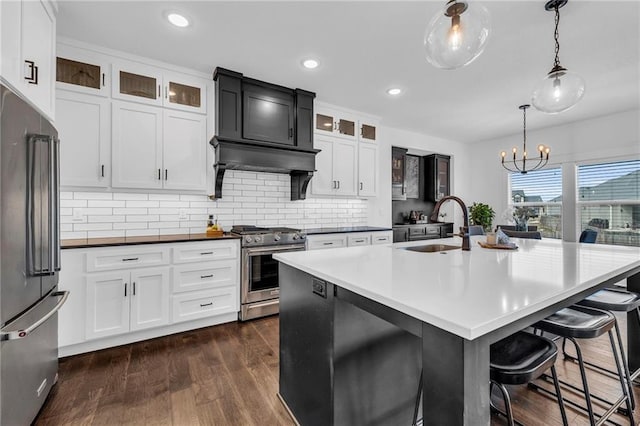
{"x":29,"y":259}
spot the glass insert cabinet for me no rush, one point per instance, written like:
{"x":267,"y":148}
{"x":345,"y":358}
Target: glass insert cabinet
{"x":344,"y":125}
{"x":438,"y":183}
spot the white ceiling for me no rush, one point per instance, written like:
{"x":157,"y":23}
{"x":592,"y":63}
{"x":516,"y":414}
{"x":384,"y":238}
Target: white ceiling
{"x":367,"y":47}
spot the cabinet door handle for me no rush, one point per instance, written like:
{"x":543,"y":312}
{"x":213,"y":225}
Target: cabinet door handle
{"x":103,"y":83}
{"x":125,"y":289}
{"x":206,"y":276}
{"x":335,"y":125}
{"x":159,"y":91}
{"x":102,"y":170}
{"x":202,"y":305}
{"x":159,"y":171}
{"x":290,"y":132}
{"x":134,"y":288}
{"x":338,"y":184}
{"x":166,"y":92}
{"x":360,"y":186}
{"x":166,"y":174}
{"x":32,"y":78}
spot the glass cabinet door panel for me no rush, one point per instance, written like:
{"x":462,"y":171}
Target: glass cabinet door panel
{"x":347,"y":127}
{"x":368,"y":132}
{"x":442,"y":167}
{"x":397,"y":168}
{"x":324,"y":122}
{"x":184,"y":95}
{"x":138,"y":85}
{"x":78,"y":73}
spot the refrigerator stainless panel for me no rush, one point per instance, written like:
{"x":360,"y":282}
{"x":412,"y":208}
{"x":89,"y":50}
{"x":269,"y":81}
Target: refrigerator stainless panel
{"x":19,"y":289}
{"x":29,"y":366}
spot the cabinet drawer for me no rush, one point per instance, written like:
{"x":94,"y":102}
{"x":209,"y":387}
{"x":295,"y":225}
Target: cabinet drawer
{"x":382,"y":238}
{"x":201,"y":304}
{"x":326,"y":242}
{"x":202,"y":276}
{"x":120,"y":258}
{"x":418,"y":230}
{"x":359,"y":240}
{"x":432,"y":230}
{"x":199,"y":252}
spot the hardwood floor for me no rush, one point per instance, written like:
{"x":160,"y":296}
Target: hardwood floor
{"x":228,"y":375}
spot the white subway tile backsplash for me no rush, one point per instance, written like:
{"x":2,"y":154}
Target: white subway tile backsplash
{"x":250,"y":198}
{"x":105,"y":203}
{"x":93,"y":195}
{"x":127,"y":196}
{"x":147,"y":204}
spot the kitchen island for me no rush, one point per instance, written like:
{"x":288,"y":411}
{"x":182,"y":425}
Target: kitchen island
{"x":346,"y":312}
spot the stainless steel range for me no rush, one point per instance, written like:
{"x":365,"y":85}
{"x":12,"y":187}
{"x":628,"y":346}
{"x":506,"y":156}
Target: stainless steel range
{"x":259,"y":286}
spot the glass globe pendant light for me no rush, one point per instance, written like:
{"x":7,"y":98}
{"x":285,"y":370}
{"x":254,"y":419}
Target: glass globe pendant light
{"x":561,"y":89}
{"x":457,"y":35}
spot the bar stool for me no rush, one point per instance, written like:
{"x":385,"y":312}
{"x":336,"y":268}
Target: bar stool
{"x":582,"y":322}
{"x":614,"y":300}
{"x":517,"y":360}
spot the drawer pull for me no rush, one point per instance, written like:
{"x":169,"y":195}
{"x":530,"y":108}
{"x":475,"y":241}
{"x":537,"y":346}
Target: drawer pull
{"x":202,"y":305}
{"x":206,"y":276}
{"x":327,"y":244}
{"x":206,"y":253}
{"x":358,"y":241}
{"x":129,"y":259}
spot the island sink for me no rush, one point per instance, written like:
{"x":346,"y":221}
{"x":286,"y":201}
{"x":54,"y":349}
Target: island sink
{"x":431,"y":248}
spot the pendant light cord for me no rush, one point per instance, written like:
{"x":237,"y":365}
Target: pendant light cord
{"x":524,"y":129}
{"x":556,"y":37}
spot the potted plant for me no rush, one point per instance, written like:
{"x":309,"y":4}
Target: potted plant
{"x":481,"y":214}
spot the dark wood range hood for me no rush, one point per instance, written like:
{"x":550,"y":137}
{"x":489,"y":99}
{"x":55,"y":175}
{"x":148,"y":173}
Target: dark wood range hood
{"x":263,"y":127}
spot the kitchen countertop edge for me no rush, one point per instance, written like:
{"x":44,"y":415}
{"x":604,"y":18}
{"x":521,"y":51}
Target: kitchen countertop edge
{"x":345,"y":230}
{"x":127,"y":241}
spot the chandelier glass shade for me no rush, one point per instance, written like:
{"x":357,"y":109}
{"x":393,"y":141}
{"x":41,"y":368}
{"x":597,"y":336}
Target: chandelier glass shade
{"x":457,"y":35}
{"x":524,"y":164}
{"x":560,"y":89}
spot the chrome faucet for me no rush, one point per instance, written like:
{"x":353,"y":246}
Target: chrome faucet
{"x":466,"y":244}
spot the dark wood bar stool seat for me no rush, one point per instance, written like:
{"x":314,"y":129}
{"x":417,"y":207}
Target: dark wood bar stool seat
{"x":582,"y":322}
{"x":519,"y":359}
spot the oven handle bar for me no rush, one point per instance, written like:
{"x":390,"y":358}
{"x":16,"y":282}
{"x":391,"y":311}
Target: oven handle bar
{"x":273,"y":249}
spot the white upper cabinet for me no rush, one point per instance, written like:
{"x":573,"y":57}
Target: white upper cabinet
{"x":80,"y":70}
{"x":185,"y":93}
{"x":184,"y":151}
{"x":136,"y":146}
{"x":28,"y":45}
{"x":137,"y":83}
{"x":150,"y":85}
{"x":158,"y":149}
{"x":83,"y":123}
{"x":367,"y":170}
{"x":334,"y":122}
{"x":336,"y":165}
{"x":368,"y":130}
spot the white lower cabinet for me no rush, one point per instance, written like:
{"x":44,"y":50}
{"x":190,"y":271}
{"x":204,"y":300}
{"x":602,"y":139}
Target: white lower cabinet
{"x":124,"y":294}
{"x":120,"y":302}
{"x":326,"y":241}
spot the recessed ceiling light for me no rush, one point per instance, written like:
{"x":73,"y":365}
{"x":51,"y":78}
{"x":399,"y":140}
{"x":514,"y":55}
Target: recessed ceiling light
{"x":394,"y":91}
{"x":178,"y":20}
{"x":310,"y":63}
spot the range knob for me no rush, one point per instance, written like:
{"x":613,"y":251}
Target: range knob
{"x":258,"y":239}
{"x":302,"y":236}
{"x":276,"y":237}
{"x":296,"y":236}
{"x":248,"y":238}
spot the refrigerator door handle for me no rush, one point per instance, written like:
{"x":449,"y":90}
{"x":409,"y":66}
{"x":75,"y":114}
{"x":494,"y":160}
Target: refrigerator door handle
{"x":21,"y":334}
{"x":54,"y":204}
{"x":34,"y":227}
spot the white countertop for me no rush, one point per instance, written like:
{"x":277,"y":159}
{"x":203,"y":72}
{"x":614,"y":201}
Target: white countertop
{"x":468,"y":293}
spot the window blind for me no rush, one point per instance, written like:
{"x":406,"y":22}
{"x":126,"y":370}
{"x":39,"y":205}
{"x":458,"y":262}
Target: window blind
{"x":609,"y":181}
{"x":537,"y":187}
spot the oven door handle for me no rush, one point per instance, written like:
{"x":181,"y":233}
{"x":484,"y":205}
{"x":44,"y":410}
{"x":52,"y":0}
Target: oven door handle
{"x":262,"y":250}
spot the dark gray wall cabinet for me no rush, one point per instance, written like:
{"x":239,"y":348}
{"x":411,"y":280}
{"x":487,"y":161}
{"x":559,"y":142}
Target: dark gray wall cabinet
{"x":265,"y":127}
{"x":438,"y":169}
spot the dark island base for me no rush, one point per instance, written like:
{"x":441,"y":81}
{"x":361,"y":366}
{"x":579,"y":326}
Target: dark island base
{"x":341,"y":365}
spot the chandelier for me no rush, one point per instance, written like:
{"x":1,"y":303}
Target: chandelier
{"x":561,"y":89}
{"x":519,"y":165}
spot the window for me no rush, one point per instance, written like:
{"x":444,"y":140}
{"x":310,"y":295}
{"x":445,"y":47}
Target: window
{"x":536,"y":198}
{"x":609,"y":201}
